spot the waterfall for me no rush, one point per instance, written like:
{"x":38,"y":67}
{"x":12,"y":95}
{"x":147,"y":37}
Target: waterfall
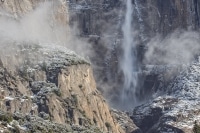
{"x":128,"y":61}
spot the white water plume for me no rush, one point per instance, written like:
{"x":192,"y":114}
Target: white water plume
{"x":128,"y":61}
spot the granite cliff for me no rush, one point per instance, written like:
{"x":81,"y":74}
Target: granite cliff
{"x":47,"y":88}
{"x":52,"y":89}
{"x":101,"y":23}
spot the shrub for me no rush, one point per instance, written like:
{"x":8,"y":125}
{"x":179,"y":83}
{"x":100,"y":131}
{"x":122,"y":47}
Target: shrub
{"x":196,"y":128}
{"x":57,"y":92}
{"x":75,"y":99}
{"x":6,"y":117}
{"x":108,"y":125}
{"x":80,"y":86}
{"x":16,"y":129}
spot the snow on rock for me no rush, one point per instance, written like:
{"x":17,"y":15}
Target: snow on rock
{"x":176,"y":110}
{"x":9,"y":98}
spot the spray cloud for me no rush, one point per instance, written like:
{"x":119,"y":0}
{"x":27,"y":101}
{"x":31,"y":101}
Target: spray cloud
{"x":180,"y":47}
{"x":41,"y":26}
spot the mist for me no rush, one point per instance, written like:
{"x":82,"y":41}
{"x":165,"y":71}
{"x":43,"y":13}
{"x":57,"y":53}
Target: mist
{"x":41,"y":26}
{"x":180,"y":47}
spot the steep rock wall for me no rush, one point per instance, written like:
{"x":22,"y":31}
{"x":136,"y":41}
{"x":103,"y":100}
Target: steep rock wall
{"x":163,"y":17}
{"x":58,"y":87}
{"x":102,"y":25}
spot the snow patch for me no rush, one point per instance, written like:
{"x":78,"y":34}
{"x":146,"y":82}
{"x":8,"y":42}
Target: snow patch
{"x":9,"y":98}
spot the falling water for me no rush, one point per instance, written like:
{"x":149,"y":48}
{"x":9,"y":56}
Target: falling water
{"x":128,"y":61}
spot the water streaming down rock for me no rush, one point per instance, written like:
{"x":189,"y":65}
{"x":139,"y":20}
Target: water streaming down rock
{"x":128,"y":61}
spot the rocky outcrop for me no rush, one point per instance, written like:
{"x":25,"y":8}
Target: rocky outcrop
{"x":11,"y":123}
{"x":56,"y":85}
{"x":126,"y":123}
{"x":177,"y":109}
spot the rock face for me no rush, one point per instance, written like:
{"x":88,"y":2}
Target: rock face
{"x":56,"y":85}
{"x":126,"y":123}
{"x":166,"y":16}
{"x":18,"y":8}
{"x":101,"y":22}
{"x":176,"y":110}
